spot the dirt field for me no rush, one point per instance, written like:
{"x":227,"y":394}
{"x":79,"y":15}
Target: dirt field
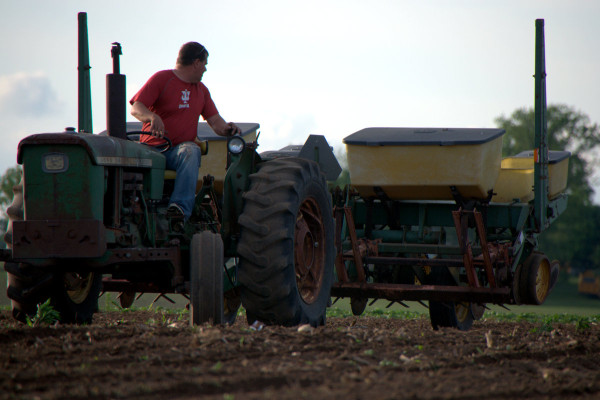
{"x":148,"y":355}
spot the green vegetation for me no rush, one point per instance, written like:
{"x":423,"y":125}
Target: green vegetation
{"x":46,"y":315}
{"x":343,"y":311}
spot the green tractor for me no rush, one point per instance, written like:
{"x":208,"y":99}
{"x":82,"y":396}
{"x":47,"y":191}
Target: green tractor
{"x":90,"y":216}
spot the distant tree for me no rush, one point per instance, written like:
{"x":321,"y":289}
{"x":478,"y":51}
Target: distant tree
{"x":11,"y":177}
{"x":574,"y":238}
{"x":569,"y":130}
{"x":344,"y":177}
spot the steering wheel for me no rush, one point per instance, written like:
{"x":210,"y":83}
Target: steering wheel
{"x":134,"y":136}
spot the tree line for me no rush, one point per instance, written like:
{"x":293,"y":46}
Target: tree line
{"x":574,"y":238}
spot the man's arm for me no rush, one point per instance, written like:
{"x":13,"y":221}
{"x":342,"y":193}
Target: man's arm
{"x":222,"y":128}
{"x":142,"y":113}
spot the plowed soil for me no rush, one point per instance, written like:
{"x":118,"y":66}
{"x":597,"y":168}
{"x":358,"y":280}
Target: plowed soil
{"x":148,"y":355}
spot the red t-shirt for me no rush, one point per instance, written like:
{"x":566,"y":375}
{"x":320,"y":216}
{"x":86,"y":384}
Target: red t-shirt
{"x":178,"y":103}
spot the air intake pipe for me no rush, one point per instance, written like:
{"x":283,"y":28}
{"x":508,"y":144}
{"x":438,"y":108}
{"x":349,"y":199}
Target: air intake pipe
{"x":115,"y":97}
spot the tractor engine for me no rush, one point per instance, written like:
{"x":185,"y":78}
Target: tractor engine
{"x":84,"y":194}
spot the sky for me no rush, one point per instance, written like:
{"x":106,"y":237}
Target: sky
{"x":304,"y":67}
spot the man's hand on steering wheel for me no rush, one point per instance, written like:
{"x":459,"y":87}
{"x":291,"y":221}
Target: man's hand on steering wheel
{"x":233,"y":129}
{"x":157,"y":126}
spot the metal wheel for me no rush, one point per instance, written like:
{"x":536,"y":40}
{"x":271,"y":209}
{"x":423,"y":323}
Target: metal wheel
{"x":464,"y":315}
{"x":309,"y":250}
{"x":535,"y":279}
{"x":542,"y":281}
{"x":448,"y":313}
{"x":75,"y":296}
{"x":78,"y":286}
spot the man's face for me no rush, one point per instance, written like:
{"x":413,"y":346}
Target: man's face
{"x":200,"y":68}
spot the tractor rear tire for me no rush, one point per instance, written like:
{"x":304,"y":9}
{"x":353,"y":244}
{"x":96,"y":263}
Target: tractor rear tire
{"x":26,"y":285}
{"x":286,"y":244}
{"x":26,"y":288}
{"x":206,"y":278}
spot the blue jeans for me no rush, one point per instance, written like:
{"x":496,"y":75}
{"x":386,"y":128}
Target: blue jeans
{"x":184,"y":159}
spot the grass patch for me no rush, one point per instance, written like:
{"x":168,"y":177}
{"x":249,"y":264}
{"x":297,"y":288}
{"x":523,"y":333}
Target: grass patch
{"x":341,"y":312}
{"x":564,"y":305}
{"x":546,"y":320}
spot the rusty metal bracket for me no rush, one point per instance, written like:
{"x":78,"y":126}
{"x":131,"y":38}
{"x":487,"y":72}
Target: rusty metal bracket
{"x":358,"y":261}
{"x":460,"y":218}
{"x":342,"y":274}
{"x":355,"y":253}
{"x":487,"y":263}
{"x":401,"y":292}
{"x":178,"y":279}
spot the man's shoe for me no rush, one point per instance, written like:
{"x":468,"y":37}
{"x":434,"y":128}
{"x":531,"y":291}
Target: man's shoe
{"x":174,"y":211}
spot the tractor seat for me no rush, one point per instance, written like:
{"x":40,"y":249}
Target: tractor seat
{"x":203,"y":144}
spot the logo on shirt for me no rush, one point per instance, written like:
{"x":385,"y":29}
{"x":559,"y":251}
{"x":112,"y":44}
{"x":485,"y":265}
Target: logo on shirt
{"x":185,"y":97}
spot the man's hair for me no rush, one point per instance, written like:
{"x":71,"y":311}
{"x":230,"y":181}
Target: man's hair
{"x":191,"y":51}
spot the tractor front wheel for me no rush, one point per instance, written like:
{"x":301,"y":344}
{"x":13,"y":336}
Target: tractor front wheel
{"x":206,"y":278}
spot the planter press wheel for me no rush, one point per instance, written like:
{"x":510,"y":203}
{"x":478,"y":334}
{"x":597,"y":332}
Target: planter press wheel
{"x":535,"y":279}
{"x":206,"y":278}
{"x":358,"y":305}
{"x":126,"y":299}
{"x":286,"y":244}
{"x":450,"y":314}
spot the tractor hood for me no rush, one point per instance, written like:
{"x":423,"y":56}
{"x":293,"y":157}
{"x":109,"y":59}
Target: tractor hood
{"x":103,"y":150}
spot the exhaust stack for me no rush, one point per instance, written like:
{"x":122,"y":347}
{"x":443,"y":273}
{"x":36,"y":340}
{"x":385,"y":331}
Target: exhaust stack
{"x":115,"y":97}
{"x":83,"y":68}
